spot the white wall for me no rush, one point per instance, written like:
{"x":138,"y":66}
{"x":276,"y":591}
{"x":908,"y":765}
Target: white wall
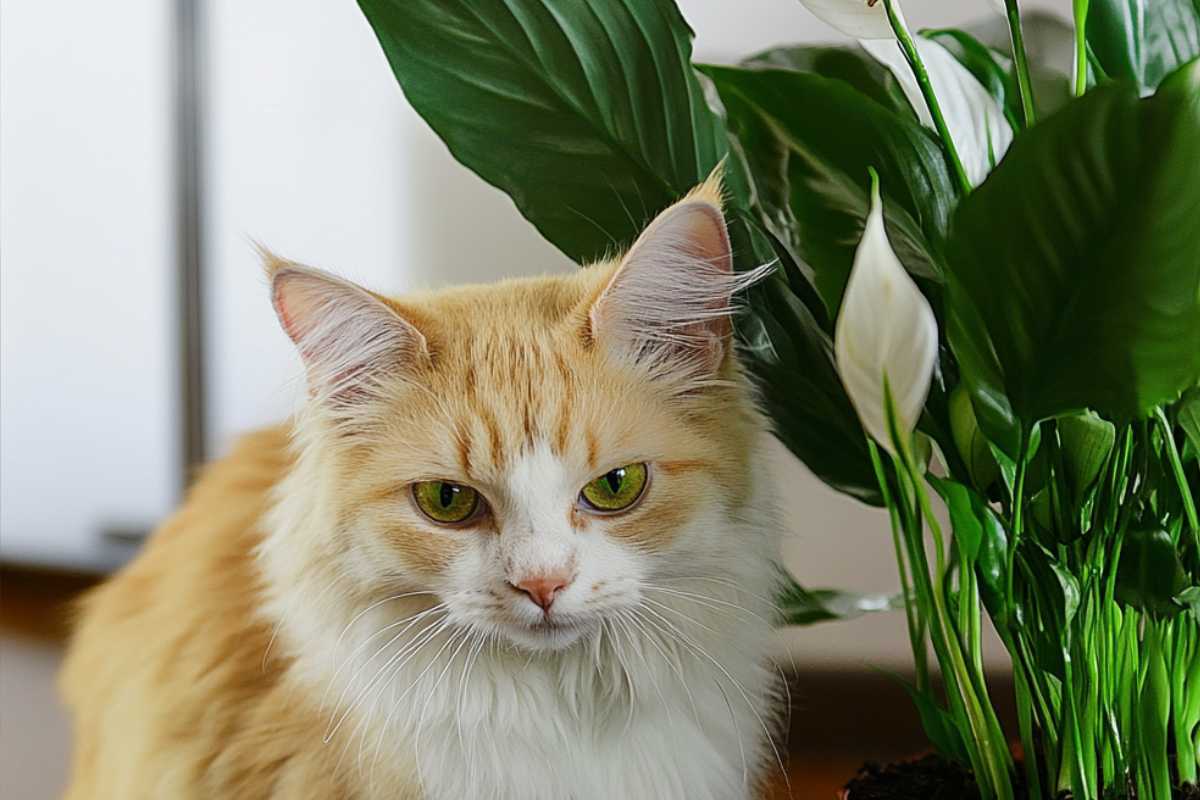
{"x":87,"y":436}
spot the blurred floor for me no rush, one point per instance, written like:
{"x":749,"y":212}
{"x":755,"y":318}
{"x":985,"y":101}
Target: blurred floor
{"x":838,"y":718}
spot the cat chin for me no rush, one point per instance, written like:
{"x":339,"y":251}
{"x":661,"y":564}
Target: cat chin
{"x":547,"y":638}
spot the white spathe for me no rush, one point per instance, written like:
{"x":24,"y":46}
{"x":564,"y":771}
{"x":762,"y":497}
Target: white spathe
{"x":885,"y":328}
{"x":977,"y":124}
{"x":857,"y":18}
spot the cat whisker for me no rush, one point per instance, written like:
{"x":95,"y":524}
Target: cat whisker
{"x":630,"y":620}
{"x":690,"y":619}
{"x":395,"y":702}
{"x":723,"y":582}
{"x":415,"y":618}
{"x":618,"y":651}
{"x":710,"y":602}
{"x":733,"y":722}
{"x":674,"y":663}
{"x":406,"y":652}
{"x":697,"y":649}
{"x":469,"y":665}
{"x":368,"y":609}
{"x":468,"y":636}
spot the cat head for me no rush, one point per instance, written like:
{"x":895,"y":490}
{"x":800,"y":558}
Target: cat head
{"x":533,"y":456}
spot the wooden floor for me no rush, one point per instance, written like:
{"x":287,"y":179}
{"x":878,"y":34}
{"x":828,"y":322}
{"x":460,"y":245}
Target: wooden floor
{"x":838,"y":720}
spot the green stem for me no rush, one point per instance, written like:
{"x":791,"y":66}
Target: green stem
{"x":1025,"y":710}
{"x":1018,"y":506}
{"x":912,"y":616}
{"x":922,"y":75}
{"x":1189,"y":504}
{"x":1024,"y":83}
{"x":981,"y":717}
{"x":1081,"y":12}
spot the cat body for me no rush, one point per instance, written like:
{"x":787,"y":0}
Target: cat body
{"x":312,"y":624}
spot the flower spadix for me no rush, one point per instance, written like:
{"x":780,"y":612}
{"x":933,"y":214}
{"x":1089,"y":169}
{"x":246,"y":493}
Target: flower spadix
{"x":886,"y":335}
{"x":861,"y":19}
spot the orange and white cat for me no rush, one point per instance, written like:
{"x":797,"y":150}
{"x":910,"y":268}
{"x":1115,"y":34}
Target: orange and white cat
{"x":519,"y":544}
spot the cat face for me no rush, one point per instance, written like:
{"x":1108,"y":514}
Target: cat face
{"x":537,"y":456}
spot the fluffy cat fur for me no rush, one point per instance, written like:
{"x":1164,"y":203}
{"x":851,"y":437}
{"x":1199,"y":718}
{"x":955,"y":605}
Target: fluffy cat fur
{"x":299,"y":630}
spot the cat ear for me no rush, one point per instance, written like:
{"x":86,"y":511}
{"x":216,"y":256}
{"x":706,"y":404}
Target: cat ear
{"x":670,"y":300}
{"x":348,"y":338}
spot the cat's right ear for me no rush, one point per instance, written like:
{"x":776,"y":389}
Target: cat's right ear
{"x":349,"y":339}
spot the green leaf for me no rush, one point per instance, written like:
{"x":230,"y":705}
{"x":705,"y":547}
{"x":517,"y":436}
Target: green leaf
{"x":1150,"y":575}
{"x":791,"y":357}
{"x":1086,"y":442}
{"x":800,"y":606}
{"x":1154,"y":708}
{"x":810,"y":143}
{"x":851,"y":65}
{"x":939,"y":724}
{"x":1189,"y":416}
{"x":982,"y":540}
{"x":968,"y":438}
{"x":1143,"y":40}
{"x":586,"y":112}
{"x":1074,"y":280}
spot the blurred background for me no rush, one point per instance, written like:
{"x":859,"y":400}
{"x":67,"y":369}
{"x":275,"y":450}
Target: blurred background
{"x":145,"y":145}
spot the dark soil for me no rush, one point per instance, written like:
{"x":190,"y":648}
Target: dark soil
{"x":933,"y":778}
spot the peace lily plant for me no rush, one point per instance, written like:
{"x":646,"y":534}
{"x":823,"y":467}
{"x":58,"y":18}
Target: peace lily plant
{"x":986,"y":310}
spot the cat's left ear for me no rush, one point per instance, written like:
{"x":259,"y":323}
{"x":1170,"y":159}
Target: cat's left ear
{"x":349,"y":339}
{"x":670,"y":300}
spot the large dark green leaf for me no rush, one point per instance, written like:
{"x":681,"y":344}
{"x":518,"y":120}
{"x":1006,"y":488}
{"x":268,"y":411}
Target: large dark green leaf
{"x":809,"y":142}
{"x":851,"y":65}
{"x":586,"y":112}
{"x":1143,"y":40}
{"x":1150,"y":574}
{"x":791,"y":356}
{"x":1075,"y":268}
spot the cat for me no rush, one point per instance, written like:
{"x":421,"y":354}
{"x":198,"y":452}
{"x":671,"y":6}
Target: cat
{"x":519,"y":542}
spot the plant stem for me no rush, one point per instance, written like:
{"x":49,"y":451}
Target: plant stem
{"x":1024,"y":701}
{"x":912,"y":616}
{"x":1024,"y":83}
{"x":1189,"y":504}
{"x":1081,"y":12}
{"x":985,"y":727}
{"x":922,"y":75}
{"x":1018,"y":504}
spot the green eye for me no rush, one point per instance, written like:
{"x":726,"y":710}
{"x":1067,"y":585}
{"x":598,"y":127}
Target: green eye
{"x":615,"y":490}
{"x":445,"y":502}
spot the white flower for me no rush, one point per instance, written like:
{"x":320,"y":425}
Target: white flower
{"x":861,"y":19}
{"x":885,"y":331}
{"x":1000,"y":7}
{"x":977,"y":124}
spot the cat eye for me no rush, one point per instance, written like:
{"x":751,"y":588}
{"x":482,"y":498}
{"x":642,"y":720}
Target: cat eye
{"x":444,"y":502}
{"x":616,"y":490}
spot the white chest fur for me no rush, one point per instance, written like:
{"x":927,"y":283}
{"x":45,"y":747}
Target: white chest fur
{"x":631,"y":718}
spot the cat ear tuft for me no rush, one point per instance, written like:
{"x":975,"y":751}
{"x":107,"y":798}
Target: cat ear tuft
{"x":670,"y":300}
{"x":348,"y":338}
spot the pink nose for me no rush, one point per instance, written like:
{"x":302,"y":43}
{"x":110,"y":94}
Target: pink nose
{"x":542,"y":588}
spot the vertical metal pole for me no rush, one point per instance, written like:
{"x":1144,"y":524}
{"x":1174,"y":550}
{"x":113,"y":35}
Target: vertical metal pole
{"x":188,"y":177}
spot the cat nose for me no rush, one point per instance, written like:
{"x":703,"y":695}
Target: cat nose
{"x":542,"y":588}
